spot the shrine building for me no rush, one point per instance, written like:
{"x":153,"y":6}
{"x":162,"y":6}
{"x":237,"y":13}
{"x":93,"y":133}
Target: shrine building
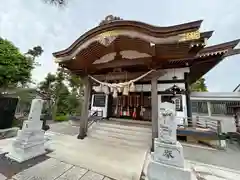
{"x":129,"y":67}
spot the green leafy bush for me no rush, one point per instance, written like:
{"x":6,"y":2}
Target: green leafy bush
{"x":61,"y":118}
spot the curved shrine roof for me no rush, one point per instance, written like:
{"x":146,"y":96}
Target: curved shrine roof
{"x":119,"y":43}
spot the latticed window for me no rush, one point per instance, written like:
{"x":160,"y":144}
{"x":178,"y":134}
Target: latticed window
{"x":177,"y":100}
{"x":177,"y":103}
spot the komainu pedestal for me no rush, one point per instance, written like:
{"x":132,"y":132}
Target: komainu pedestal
{"x":167,"y":160}
{"x":29,"y":142}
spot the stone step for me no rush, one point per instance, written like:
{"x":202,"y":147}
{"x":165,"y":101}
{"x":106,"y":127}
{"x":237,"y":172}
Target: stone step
{"x":122,"y":135}
{"x":122,"y":130}
{"x":126,"y":126}
{"x":131,"y":121}
{"x":114,"y":141}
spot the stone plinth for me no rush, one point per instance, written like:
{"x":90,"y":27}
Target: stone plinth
{"x":29,"y":142}
{"x":160,"y":171}
{"x":167,"y":161}
{"x":169,"y":154}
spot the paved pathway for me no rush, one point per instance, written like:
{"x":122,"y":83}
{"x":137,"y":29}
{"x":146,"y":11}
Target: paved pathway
{"x":205,"y":155}
{"x":64,"y":128}
{"x":58,"y":169}
{"x":226,"y":158}
{"x":53,"y":169}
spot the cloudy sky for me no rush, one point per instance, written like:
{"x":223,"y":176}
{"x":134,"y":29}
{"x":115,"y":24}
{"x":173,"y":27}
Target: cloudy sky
{"x":28,"y":23}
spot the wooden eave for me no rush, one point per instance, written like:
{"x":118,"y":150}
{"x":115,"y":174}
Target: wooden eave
{"x":209,"y":57}
{"x":132,"y":25}
{"x":206,"y":34}
{"x":160,"y":52}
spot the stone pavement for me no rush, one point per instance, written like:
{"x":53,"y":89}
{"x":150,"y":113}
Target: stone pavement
{"x":223,"y":162}
{"x":53,"y":169}
{"x":210,"y":172}
{"x":64,"y":128}
{"x":204,"y":155}
{"x":224,"y":158}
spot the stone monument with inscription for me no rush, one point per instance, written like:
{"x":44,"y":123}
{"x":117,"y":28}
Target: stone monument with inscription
{"x":29,"y":142}
{"x":167,"y":161}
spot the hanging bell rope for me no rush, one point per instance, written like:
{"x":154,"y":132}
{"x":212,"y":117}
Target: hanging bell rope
{"x":115,"y":95}
{"x":132,"y":87}
{"x":121,"y":85}
{"x":126,"y":88}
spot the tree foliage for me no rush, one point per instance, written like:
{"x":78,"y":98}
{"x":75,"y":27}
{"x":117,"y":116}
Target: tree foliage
{"x":35,"y":51}
{"x":199,"y":86}
{"x":56,"y":2}
{"x":15,"y":67}
{"x":65,"y":90}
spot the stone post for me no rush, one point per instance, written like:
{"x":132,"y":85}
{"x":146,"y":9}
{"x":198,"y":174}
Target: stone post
{"x":167,"y":160}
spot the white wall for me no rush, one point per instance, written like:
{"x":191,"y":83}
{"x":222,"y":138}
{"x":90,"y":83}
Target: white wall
{"x":179,"y":73}
{"x":161,"y":87}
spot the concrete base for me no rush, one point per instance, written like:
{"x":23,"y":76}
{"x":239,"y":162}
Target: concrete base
{"x":159,"y":171}
{"x":27,"y":145}
{"x":21,"y":155}
{"x":170,"y":154}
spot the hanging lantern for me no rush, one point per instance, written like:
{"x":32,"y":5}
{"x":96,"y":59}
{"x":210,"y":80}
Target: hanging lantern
{"x":175,"y":90}
{"x":98,"y":88}
{"x":106,"y":89}
{"x":132,"y":88}
{"x":125,"y":90}
{"x":115,"y":95}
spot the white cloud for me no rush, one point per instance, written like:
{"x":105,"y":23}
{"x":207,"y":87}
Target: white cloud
{"x":28,"y":23}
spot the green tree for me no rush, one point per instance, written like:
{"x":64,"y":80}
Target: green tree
{"x":47,"y":88}
{"x":199,"y":86}
{"x":65,"y":89}
{"x":35,"y":52}
{"x":59,"y":87}
{"x":15,"y":68}
{"x":47,"y":85}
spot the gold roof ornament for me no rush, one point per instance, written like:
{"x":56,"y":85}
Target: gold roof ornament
{"x":190,"y":36}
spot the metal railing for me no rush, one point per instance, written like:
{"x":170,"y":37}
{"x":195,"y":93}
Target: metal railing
{"x":203,"y":123}
{"x":94,"y":116}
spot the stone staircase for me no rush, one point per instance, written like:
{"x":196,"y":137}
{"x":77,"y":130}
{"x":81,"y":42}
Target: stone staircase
{"x":120,"y":133}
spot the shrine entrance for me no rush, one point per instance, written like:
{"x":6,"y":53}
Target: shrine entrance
{"x":135,"y":106}
{"x":137,"y":66}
